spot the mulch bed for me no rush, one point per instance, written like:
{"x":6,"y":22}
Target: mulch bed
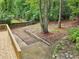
{"x":54,"y":34}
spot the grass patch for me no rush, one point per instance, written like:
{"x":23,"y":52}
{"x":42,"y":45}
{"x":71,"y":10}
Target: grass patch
{"x":56,"y":30}
{"x":15,"y":21}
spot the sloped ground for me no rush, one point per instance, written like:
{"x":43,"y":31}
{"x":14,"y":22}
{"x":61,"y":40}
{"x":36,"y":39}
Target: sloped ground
{"x":53,"y":35}
{"x":35,"y":49}
{"x":64,"y":49}
{"x":6,"y":49}
{"x":31,"y":47}
{"x":24,"y":36}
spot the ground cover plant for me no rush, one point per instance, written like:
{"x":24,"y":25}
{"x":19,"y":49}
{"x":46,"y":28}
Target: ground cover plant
{"x":74,"y":36}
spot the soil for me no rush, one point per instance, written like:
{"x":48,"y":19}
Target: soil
{"x":54,"y":32}
{"x":64,"y":49}
{"x":54,"y":37}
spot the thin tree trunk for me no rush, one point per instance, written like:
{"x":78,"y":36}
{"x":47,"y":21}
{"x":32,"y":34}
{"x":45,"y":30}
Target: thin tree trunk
{"x":60,"y":14}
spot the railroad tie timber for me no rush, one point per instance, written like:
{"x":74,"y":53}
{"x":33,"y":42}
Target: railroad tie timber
{"x":36,"y":37}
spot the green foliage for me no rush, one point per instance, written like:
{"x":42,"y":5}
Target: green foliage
{"x":58,"y":47}
{"x":29,"y":9}
{"x":74,"y":36}
{"x":25,"y":9}
{"x":74,"y":6}
{"x":77,"y":46}
{"x":33,"y":11}
{"x":54,"y":13}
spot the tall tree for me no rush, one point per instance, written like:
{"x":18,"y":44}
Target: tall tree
{"x":60,"y":14}
{"x":44,"y":5}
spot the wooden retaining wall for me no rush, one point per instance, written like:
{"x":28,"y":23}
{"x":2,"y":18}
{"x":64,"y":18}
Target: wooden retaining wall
{"x":14,"y":43}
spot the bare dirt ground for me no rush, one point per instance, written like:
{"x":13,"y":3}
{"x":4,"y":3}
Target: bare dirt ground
{"x":54,"y":32}
{"x":30,"y":46}
{"x":54,"y":36}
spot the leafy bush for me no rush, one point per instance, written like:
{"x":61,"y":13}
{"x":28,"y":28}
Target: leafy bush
{"x":73,"y":5}
{"x":74,"y":36}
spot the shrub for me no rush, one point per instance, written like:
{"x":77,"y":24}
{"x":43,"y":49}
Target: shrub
{"x":77,"y":43}
{"x":74,"y":36}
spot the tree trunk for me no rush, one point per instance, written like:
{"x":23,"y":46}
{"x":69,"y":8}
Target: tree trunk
{"x":44,"y":15}
{"x":60,"y":14}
